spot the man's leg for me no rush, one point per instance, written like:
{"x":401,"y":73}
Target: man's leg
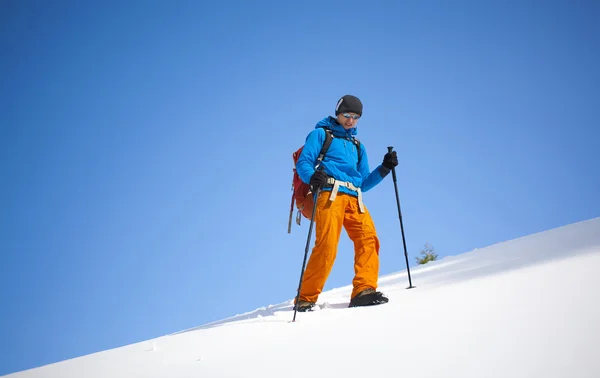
{"x":328,"y":226}
{"x":361,"y":230}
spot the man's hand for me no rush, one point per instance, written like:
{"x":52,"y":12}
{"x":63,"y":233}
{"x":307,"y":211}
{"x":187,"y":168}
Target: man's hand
{"x":390,"y":160}
{"x":318,"y":180}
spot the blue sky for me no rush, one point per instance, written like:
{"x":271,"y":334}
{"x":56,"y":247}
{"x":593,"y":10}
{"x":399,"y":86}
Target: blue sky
{"x":145,"y":148}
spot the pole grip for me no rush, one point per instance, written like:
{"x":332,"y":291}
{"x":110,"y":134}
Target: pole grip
{"x":390,"y":149}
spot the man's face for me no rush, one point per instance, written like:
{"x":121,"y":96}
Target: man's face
{"x":348,"y":120}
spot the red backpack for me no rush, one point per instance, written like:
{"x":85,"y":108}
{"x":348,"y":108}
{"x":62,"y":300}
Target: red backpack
{"x":301,"y":193}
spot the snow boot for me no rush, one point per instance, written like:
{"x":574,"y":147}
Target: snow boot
{"x":368,"y":297}
{"x":304,"y":306}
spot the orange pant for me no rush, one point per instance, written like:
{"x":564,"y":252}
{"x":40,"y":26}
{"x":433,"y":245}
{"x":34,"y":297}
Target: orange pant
{"x":329,"y":219}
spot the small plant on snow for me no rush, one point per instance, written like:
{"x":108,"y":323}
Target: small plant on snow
{"x":428,"y":254}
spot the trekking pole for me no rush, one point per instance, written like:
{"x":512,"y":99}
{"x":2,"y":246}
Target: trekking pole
{"x":312,"y":222}
{"x":401,"y":225}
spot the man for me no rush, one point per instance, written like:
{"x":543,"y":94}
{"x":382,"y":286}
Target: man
{"x":343,"y":175}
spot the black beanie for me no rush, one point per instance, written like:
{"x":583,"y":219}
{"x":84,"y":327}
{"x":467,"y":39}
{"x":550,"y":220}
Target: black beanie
{"x":349,"y":104}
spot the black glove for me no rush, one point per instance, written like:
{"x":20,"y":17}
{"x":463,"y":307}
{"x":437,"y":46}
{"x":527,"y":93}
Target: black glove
{"x":390,"y":160}
{"x":318,"y":179}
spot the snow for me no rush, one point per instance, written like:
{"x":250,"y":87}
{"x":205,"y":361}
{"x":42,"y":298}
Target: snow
{"x":528,"y":307}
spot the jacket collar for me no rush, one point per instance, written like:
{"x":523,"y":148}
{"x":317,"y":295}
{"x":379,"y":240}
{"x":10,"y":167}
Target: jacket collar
{"x":338,"y":130}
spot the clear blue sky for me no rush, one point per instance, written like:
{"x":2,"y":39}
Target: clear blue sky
{"x":145,"y":148}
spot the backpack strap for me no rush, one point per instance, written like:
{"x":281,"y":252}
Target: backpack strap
{"x":325,"y":147}
{"x":357,"y":144}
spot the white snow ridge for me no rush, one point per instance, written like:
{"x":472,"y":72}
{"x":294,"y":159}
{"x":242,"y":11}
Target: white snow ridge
{"x":528,"y":307}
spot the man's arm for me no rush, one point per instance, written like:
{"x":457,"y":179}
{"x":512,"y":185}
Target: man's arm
{"x":370,"y":179}
{"x":305,"y":166}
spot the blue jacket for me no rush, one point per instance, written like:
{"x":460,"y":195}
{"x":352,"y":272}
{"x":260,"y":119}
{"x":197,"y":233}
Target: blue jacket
{"x":340,"y":160}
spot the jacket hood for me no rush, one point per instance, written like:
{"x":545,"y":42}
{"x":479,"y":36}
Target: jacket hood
{"x":338,"y":130}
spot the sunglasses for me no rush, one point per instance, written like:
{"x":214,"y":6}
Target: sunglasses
{"x":353,"y":116}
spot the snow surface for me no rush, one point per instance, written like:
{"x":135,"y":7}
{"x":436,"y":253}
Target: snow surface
{"x":528,"y":307}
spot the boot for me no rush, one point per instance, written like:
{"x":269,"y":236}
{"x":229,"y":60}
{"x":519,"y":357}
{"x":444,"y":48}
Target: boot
{"x":304,"y":306}
{"x":368,"y":297}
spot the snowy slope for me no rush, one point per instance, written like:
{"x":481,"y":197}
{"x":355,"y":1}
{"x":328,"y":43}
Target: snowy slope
{"x":528,"y":307}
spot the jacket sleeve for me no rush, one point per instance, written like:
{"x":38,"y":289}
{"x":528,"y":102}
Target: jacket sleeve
{"x":370,"y":178}
{"x":305,"y":166}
